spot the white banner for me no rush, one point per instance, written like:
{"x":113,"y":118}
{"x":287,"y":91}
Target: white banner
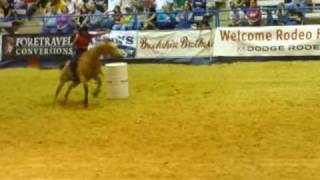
{"x":175,"y":44}
{"x":268,"y":41}
{"x":126,"y":41}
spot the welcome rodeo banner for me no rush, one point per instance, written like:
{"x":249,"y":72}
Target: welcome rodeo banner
{"x":175,"y":44}
{"x":268,"y":41}
{"x":35,"y":45}
{"x":126,"y":42}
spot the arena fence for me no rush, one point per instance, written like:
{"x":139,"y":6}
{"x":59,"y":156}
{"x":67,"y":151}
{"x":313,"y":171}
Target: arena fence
{"x":188,"y":46}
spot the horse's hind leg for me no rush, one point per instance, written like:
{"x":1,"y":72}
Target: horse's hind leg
{"x":85,"y":102}
{"x":98,"y":88}
{"x":71,"y":86}
{"x":61,"y":84}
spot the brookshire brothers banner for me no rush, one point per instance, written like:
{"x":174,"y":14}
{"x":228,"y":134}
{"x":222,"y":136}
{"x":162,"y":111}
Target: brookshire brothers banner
{"x":268,"y":41}
{"x":35,"y":45}
{"x":175,"y":44}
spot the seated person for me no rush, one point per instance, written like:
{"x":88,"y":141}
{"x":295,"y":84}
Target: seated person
{"x":243,"y":4}
{"x":166,"y":19}
{"x":295,"y":18}
{"x":94,"y":20}
{"x":150,"y":20}
{"x":236,"y":16}
{"x":50,"y":20}
{"x":282,"y":14}
{"x":184,"y":18}
{"x":126,"y":22}
{"x":253,"y":14}
{"x":64,"y":21}
{"x":296,"y":10}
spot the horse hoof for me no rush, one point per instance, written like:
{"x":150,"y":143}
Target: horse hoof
{"x":95,"y":94}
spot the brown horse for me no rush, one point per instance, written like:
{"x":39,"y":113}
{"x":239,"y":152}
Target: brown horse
{"x":89,"y":67}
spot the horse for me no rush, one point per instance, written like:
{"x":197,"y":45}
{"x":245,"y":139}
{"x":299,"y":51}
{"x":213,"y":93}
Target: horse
{"x":88,"y":67}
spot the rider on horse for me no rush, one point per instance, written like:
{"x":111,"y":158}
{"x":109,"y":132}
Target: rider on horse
{"x":80,"y":44}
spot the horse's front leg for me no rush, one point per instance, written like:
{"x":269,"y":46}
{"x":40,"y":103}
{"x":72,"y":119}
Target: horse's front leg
{"x":85,"y":102}
{"x":98,"y":88}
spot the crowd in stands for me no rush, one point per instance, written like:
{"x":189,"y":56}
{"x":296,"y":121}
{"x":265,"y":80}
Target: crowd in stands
{"x":63,"y":16}
{"x":246,"y":13}
{"x":124,"y":15}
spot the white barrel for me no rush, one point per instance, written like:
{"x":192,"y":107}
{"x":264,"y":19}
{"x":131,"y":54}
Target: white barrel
{"x":117,"y":80}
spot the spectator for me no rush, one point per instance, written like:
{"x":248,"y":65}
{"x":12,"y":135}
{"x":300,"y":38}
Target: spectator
{"x":199,"y":4}
{"x":151,"y":19}
{"x":243,"y":4}
{"x":283,"y":15}
{"x":140,"y":17}
{"x":71,"y":5}
{"x":166,"y":19}
{"x":108,"y":17}
{"x":270,"y":20}
{"x":116,"y":16}
{"x":126,"y":22}
{"x":296,"y":9}
{"x":295,"y":18}
{"x":180,"y":5}
{"x":7,"y":8}
{"x":148,"y":4}
{"x":50,"y":20}
{"x":100,"y":4}
{"x":31,"y":6}
{"x":236,"y":15}
{"x":94,"y":20}
{"x":64,"y":21}
{"x":254,"y":14}
{"x":184,"y":18}
{"x":199,"y":16}
{"x":138,"y":4}
{"x":2,"y":17}
{"x":58,"y":4}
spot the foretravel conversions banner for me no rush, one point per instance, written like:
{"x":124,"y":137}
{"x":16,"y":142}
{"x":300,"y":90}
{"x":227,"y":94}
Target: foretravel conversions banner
{"x":35,"y":45}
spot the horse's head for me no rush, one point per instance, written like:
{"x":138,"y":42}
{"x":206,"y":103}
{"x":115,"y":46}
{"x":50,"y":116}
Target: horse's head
{"x":107,"y":47}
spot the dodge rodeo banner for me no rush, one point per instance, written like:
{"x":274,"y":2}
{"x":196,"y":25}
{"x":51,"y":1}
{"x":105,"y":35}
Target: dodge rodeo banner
{"x":268,"y":41}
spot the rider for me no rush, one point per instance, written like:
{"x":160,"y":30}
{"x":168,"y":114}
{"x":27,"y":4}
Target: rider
{"x":80,"y":44}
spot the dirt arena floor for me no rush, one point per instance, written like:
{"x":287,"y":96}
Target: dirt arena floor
{"x":226,"y":121}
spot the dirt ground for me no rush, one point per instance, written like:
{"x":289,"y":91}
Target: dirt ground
{"x":224,"y":121}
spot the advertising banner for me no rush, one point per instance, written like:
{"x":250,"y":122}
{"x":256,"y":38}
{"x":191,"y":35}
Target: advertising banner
{"x":268,"y":41}
{"x":0,"y":47}
{"x":126,"y":41}
{"x":35,"y":45}
{"x":175,"y":44}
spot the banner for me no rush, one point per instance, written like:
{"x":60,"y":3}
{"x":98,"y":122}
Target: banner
{"x":0,"y":47}
{"x":35,"y":45}
{"x":175,"y":44}
{"x":126,"y":41}
{"x":268,"y":41}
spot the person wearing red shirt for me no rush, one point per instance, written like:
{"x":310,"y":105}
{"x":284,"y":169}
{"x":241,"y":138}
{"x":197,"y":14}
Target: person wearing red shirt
{"x":80,"y":44}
